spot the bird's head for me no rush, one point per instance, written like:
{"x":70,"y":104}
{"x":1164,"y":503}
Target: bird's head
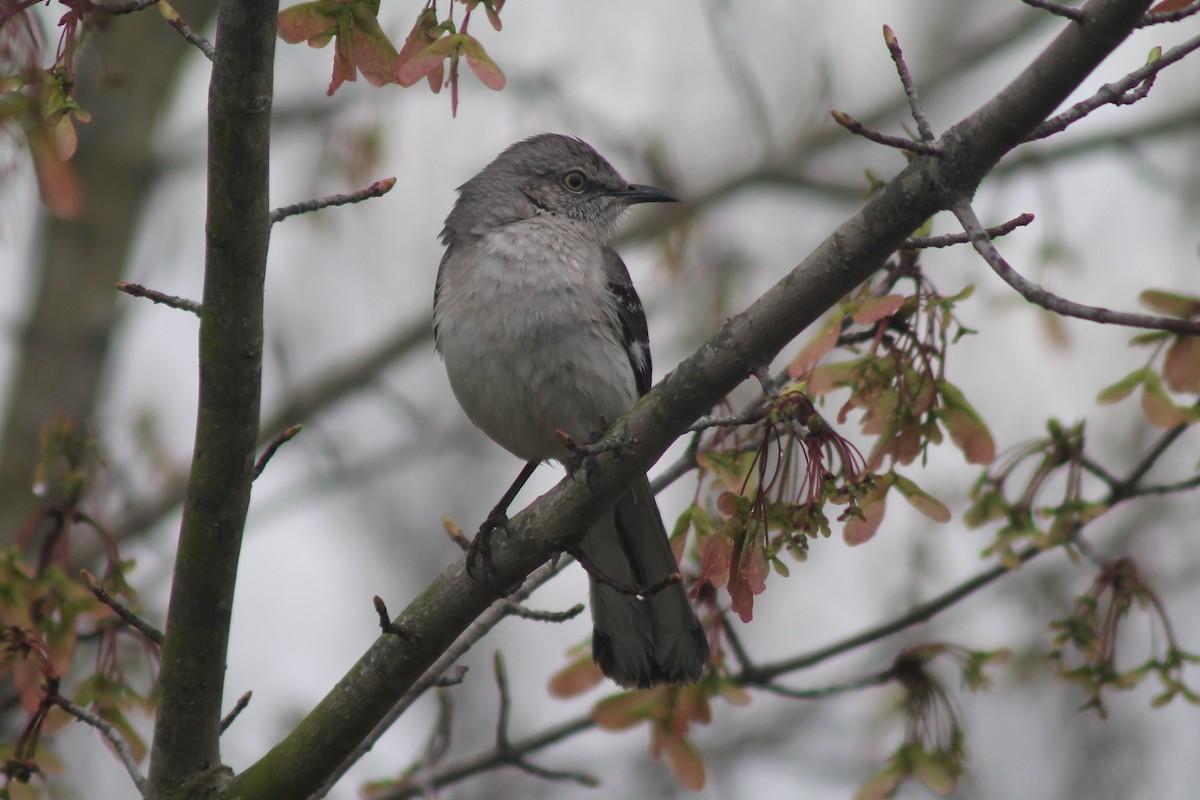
{"x":547,"y":174}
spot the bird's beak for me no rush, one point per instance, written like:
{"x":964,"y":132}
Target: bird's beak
{"x":636,"y":193}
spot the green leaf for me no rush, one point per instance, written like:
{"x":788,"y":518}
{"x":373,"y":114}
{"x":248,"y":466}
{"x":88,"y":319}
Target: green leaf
{"x":966,"y":428}
{"x":482,"y":64}
{"x":921,"y":500}
{"x":1123,"y":388}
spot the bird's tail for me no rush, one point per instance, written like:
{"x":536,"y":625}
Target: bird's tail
{"x":641,"y":641}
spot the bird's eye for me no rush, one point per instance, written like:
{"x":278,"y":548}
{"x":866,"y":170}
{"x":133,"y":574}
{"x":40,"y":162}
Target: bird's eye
{"x":575,"y":181}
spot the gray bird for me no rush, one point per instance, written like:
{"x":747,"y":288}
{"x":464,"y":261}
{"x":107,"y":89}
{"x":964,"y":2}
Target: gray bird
{"x":541,"y":330}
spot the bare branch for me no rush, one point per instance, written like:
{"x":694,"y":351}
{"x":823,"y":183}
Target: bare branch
{"x":280,"y":440}
{"x":910,"y":90}
{"x":1130,"y":89}
{"x":1039,"y":296}
{"x":504,"y":749}
{"x":854,"y":126}
{"x":108,"y":732}
{"x":180,"y":24}
{"x":238,"y":708}
{"x":922,"y":612}
{"x":181,"y":303}
{"x":415,"y":785}
{"x":950,"y":239}
{"x":377,"y":189}
{"x":729,"y":420}
{"x":518,"y":610}
{"x":868,"y":681}
{"x":130,"y":618}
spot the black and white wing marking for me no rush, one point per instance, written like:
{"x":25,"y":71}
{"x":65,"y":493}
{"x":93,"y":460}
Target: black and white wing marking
{"x":631,"y":316}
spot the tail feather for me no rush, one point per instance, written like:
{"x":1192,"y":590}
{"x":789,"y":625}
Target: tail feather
{"x":641,"y":641}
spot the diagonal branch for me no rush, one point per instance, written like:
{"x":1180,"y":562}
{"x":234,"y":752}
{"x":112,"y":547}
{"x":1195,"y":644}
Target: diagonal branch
{"x":1038,"y":296}
{"x":119,"y":745}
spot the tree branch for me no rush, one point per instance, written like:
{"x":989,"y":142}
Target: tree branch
{"x":1051,"y":302}
{"x":119,"y":745}
{"x":187,"y":731}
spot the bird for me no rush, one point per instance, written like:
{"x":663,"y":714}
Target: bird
{"x":542,"y":334}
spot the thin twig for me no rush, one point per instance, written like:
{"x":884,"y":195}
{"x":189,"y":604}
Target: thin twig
{"x":624,"y":587}
{"x":854,"y":126}
{"x":415,"y":785}
{"x":767,"y":382}
{"x":1129,"y":89}
{"x":910,"y":89}
{"x":386,"y":626}
{"x":280,"y":440}
{"x":730,"y":420}
{"x":180,"y":24}
{"x":1058,"y":9}
{"x":181,"y":303}
{"x":376,"y":189}
{"x":1128,"y":487}
{"x":108,"y":732}
{"x":238,"y":708}
{"x":950,"y":239}
{"x":1051,"y":302}
{"x":518,"y":610}
{"x":131,"y":619}
{"x":874,"y":679}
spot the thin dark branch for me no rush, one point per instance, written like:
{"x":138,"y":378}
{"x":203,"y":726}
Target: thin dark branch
{"x":854,"y":126}
{"x":1058,"y":9}
{"x":518,"y":610}
{"x":1169,"y":488}
{"x":415,"y":785}
{"x":180,"y":24}
{"x":1129,"y":89}
{"x":280,"y":440}
{"x":874,"y":679}
{"x":730,"y":420}
{"x":1051,"y":302}
{"x":133,"y":620}
{"x":181,"y":303}
{"x":950,"y":239}
{"x":377,"y":189}
{"x":922,"y":612}
{"x":238,"y":708}
{"x":910,"y":89}
{"x":624,"y":587}
{"x":1124,"y":489}
{"x":110,"y":733}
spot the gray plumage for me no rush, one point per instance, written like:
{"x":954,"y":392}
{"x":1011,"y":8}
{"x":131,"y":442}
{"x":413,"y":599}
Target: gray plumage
{"x":541,"y":330}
